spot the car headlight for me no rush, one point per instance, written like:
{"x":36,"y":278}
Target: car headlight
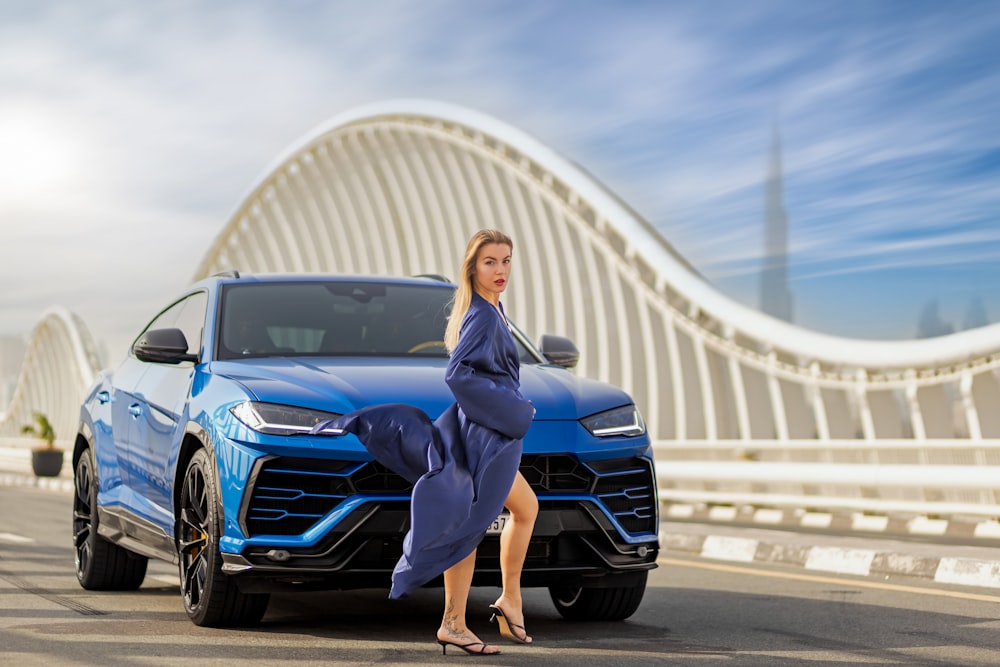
{"x":276,"y":419}
{"x":624,"y":422}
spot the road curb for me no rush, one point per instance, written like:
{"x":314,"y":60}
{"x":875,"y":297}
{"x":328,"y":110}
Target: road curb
{"x":836,"y":559}
{"x":851,"y":521}
{"x":58,"y":484}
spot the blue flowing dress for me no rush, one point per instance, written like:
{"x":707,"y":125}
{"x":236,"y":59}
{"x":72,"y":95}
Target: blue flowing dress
{"x":462,"y":465}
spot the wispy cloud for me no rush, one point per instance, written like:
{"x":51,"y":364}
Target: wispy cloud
{"x":163,"y":116}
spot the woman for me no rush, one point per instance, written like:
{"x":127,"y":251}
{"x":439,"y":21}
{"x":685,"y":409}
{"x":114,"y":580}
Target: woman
{"x":464,"y":466}
{"x":484,"y":360}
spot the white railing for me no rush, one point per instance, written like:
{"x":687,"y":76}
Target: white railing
{"x":932,"y":477}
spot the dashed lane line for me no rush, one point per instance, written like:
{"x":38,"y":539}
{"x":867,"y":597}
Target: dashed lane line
{"x":11,"y":538}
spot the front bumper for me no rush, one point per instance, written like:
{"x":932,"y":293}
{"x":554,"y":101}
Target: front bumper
{"x":594,"y":519}
{"x":572,"y":542}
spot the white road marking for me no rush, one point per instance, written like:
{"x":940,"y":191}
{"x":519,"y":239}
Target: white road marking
{"x":15,"y":539}
{"x":987,"y":529}
{"x":680,"y":511}
{"x":729,"y":548}
{"x":843,"y":561}
{"x":722,"y":513}
{"x":768,"y":516}
{"x":924,"y":526}
{"x":869,"y":523}
{"x":719,"y":567}
{"x":816,"y":520}
{"x":968,"y":571}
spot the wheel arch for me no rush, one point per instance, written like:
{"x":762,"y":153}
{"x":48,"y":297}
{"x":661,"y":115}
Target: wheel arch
{"x":195,"y":438}
{"x":84,"y":440}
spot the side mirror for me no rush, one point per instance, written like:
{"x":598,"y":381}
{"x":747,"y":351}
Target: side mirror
{"x":164,"y":346}
{"x":559,"y":350}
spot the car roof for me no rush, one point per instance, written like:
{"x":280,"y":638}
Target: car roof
{"x":234,"y":277}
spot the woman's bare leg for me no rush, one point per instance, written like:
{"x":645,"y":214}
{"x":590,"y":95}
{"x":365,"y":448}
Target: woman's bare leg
{"x":457,"y":582}
{"x":523,"y":507}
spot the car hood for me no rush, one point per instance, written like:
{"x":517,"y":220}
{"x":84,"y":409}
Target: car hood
{"x":341,"y":385}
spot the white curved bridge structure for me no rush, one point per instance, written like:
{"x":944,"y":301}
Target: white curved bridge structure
{"x":744,"y":408}
{"x":60,"y":364}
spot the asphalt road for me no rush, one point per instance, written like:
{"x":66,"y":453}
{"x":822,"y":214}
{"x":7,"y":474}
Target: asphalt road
{"x":696,"y":611}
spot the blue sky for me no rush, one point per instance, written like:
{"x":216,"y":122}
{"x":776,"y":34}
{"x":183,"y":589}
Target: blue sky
{"x":129,"y":132}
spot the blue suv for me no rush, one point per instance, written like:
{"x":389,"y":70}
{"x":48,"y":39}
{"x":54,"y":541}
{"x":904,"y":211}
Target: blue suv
{"x":200,"y":449}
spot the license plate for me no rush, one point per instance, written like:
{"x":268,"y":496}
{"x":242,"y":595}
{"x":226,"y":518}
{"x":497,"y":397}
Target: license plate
{"x":497,"y":526}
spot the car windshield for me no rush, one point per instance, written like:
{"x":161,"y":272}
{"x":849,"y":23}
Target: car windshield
{"x":336,"y":318}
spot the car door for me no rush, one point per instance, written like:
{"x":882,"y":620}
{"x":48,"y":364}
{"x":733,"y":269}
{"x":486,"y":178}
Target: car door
{"x":125,"y":382}
{"x":159,"y":412}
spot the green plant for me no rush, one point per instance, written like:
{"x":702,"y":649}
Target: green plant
{"x":41,"y":429}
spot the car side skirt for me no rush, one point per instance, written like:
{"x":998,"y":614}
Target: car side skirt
{"x":129,"y":531}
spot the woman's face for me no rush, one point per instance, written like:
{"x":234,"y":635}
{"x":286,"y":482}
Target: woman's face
{"x":492,"y":271}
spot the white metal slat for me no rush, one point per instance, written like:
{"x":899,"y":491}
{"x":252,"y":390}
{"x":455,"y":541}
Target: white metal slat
{"x":619,"y":271}
{"x":263,"y":233}
{"x":818,"y":406}
{"x":676,"y":377}
{"x":592,"y":290}
{"x":969,"y":406}
{"x":421,"y":196}
{"x":463,"y":225}
{"x":336,"y":256}
{"x":439,"y":202}
{"x":288,"y":211}
{"x":312,"y":214}
{"x":705,"y":380}
{"x":344,"y":215}
{"x":651,"y":411}
{"x":385,"y":194}
{"x":739,"y":397}
{"x":384,"y":155}
{"x":549,"y":216}
{"x":777,"y":403}
{"x":545,"y":303}
{"x":529,"y":286}
{"x":374,"y":220}
{"x":452,"y":239}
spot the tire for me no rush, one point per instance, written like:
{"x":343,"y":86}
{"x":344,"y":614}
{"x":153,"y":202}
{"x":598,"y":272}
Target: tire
{"x":577,"y":603}
{"x":100,"y":565}
{"x":211,"y":598}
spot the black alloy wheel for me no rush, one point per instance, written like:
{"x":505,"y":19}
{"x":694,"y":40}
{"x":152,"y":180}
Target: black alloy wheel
{"x":100,"y":565}
{"x":211,"y":598}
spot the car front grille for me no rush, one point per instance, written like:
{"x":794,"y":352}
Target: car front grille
{"x":631,"y":498}
{"x":290,"y":495}
{"x":624,"y":486}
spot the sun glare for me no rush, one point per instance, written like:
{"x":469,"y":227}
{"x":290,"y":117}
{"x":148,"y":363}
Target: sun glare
{"x":38,"y":157}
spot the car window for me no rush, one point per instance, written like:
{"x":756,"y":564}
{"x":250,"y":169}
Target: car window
{"x":191,"y":320}
{"x":188,"y":315}
{"x":334,"y":319}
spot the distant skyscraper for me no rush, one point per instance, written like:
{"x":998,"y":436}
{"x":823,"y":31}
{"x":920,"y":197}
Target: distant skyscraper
{"x":775,"y":297}
{"x":931,"y":324}
{"x":975,"y":314}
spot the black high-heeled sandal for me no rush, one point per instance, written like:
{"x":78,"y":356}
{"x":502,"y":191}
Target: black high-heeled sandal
{"x":465,"y":647}
{"x":505,"y":625}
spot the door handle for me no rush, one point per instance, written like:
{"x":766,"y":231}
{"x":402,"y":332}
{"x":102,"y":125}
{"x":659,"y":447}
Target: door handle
{"x":135,"y":410}
{"x":103,"y":397}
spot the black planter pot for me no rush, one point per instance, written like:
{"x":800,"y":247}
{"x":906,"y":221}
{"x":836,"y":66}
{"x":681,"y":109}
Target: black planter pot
{"x":46,"y":462}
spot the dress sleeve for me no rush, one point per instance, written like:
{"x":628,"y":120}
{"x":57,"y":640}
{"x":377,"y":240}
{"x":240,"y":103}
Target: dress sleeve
{"x":486,"y":394}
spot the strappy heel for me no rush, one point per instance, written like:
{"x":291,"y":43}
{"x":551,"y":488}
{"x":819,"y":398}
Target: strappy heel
{"x":505,"y":625}
{"x":465,"y":647}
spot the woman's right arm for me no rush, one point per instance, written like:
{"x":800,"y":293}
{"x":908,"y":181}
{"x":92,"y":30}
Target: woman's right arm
{"x":473,"y":379}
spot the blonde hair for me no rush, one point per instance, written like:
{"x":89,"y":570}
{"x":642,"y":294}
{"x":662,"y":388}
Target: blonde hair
{"x":463,"y":295}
